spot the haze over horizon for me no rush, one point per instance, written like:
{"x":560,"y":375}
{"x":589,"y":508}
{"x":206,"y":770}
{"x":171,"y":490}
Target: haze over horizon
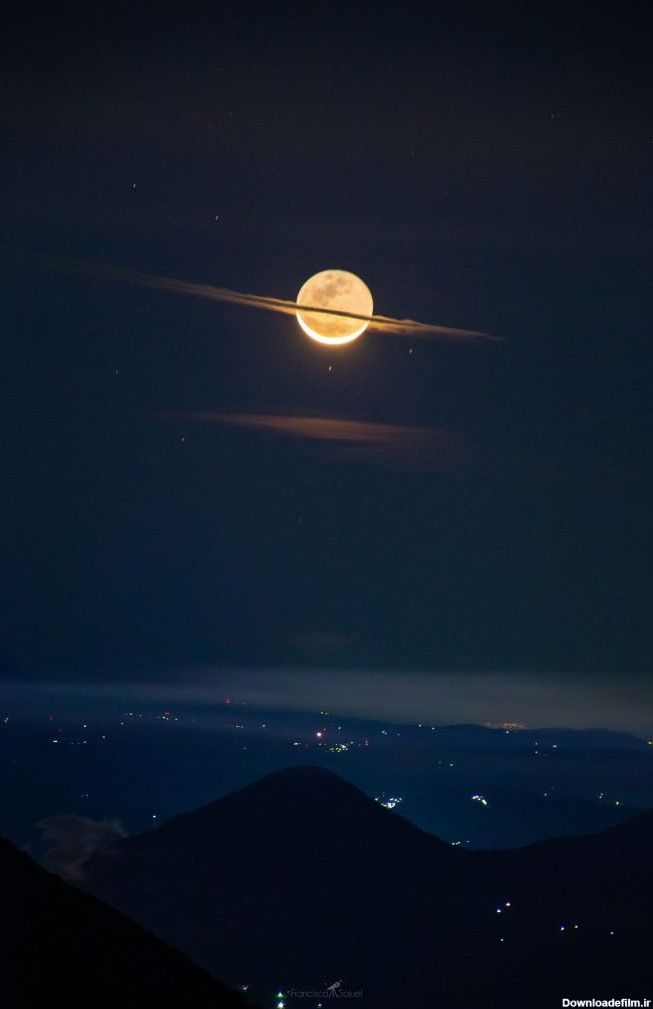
{"x":553,"y":700}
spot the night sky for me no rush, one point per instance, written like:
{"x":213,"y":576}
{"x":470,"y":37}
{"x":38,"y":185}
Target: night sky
{"x":192,"y":486}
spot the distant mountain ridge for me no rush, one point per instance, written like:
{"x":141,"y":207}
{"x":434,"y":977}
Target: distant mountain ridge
{"x":300,"y":877}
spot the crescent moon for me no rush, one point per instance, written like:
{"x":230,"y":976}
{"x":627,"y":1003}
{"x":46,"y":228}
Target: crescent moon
{"x":337,"y":291}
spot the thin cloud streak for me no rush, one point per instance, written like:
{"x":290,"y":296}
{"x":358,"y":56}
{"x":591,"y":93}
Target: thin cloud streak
{"x":352,"y":441}
{"x":382,"y":323}
{"x":536,"y":700}
{"x":325,"y":428}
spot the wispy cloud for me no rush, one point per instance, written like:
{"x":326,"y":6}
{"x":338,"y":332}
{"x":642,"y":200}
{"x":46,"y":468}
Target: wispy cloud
{"x":535,"y":699}
{"x":353,"y":440}
{"x":75,"y":839}
{"x":326,"y":428}
{"x":382,"y":323}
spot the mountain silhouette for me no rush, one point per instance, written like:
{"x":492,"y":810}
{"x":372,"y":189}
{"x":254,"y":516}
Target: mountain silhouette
{"x":61,"y":944}
{"x":300,"y":879}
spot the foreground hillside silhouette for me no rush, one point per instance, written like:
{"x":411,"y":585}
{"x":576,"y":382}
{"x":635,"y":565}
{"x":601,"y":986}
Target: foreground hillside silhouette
{"x":64,"y":946}
{"x":300,"y":879}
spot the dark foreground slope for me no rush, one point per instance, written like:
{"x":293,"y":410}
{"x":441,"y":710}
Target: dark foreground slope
{"x":300,"y":880}
{"x":58,"y":944}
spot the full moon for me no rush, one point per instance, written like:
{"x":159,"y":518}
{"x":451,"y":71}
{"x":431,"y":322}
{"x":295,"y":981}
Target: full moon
{"x":339,"y":291}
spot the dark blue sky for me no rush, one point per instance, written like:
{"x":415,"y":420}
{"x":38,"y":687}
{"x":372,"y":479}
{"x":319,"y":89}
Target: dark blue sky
{"x":490,"y":174}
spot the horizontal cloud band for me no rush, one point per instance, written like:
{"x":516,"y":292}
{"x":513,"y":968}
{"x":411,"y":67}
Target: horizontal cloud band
{"x":381,"y":323}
